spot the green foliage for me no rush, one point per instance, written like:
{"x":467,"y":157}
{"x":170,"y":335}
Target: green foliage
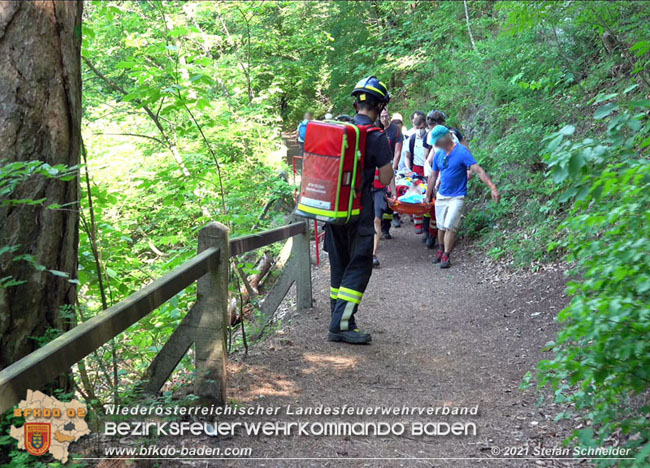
{"x":601,"y":362}
{"x":182,"y":128}
{"x":14,"y":176}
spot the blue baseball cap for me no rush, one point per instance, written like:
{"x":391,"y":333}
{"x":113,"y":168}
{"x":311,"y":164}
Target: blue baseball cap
{"x":438,"y":132}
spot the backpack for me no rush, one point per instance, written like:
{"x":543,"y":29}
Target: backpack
{"x":302,"y":130}
{"x":332,"y":174}
{"x":412,"y":139}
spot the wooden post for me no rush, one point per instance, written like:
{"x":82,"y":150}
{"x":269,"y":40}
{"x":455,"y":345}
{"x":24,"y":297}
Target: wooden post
{"x":301,"y":251}
{"x":210,"y":334}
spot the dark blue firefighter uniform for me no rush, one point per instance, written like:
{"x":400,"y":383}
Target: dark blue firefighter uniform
{"x":350,"y":245}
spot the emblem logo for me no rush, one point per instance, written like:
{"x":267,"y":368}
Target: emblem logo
{"x":37,"y":438}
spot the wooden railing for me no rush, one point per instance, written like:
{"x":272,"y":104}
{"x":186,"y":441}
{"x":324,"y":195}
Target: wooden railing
{"x":205,"y":325}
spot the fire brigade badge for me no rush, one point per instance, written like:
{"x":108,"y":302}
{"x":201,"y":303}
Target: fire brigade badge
{"x":37,"y":438}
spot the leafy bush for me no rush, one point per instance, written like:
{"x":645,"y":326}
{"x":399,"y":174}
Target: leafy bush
{"x":601,"y":357}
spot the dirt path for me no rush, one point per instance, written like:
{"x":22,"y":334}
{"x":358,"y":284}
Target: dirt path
{"x":457,"y":337}
{"x":441,"y":338}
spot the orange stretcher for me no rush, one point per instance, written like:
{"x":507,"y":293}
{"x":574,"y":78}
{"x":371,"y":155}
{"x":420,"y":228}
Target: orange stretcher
{"x":415,"y":209}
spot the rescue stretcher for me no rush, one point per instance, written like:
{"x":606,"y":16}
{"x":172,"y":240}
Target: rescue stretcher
{"x":402,"y":185}
{"x":413,"y":209}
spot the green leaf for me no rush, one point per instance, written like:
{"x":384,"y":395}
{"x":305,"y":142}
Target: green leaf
{"x":568,"y":130}
{"x":605,"y":110}
{"x":553,"y":145}
{"x":641,"y":48}
{"x":125,"y":65}
{"x":575,"y":163}
{"x":643,"y":103}
{"x":605,"y":97}
{"x":630,"y":88}
{"x":559,"y":174}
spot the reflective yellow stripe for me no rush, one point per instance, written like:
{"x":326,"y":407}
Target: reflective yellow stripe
{"x":334,"y":293}
{"x":331,"y":214}
{"x":347,"y":298}
{"x":350,"y":295}
{"x":374,"y":89}
{"x":351,"y":292}
{"x":345,"y":319}
{"x":387,"y":216}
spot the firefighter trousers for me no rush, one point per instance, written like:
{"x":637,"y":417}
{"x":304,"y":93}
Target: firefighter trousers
{"x":350,"y":255}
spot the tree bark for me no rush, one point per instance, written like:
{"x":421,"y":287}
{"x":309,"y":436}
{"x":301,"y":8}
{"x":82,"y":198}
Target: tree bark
{"x":40,"y":119}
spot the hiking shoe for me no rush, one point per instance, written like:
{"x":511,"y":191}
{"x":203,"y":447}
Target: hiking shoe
{"x":350,"y":336}
{"x":438,"y":257}
{"x":445,"y":262}
{"x":431,"y":242}
{"x":397,"y":223}
{"x":386,"y":235}
{"x":375,"y":261}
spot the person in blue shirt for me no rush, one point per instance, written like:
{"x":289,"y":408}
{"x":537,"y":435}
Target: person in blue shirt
{"x":301,"y":131}
{"x":452,"y":162}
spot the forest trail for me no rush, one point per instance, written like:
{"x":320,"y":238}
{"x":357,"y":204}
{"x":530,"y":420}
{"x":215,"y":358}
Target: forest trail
{"x":472,"y":346}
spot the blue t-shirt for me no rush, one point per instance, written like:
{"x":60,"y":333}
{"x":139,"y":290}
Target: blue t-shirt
{"x":302,"y":130}
{"x":453,"y":171}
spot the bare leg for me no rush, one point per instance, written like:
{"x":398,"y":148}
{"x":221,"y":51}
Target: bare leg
{"x":377,"y":235}
{"x":450,"y":239}
{"x":441,"y":238}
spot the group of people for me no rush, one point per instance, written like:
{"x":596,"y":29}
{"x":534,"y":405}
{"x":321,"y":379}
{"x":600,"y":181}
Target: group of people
{"x":432,"y":151}
{"x":429,"y":150}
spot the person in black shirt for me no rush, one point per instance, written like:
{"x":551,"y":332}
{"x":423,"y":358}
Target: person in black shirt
{"x":436,"y":117}
{"x":350,"y":245}
{"x":393,"y":128}
{"x":384,"y":215}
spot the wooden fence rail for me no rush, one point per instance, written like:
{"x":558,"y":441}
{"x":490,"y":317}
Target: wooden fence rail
{"x":205,"y":325}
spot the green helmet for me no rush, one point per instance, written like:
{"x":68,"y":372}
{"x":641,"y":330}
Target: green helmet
{"x":373,"y":87}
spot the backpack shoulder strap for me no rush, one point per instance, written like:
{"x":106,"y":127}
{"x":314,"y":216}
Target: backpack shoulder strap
{"x":371,"y":128}
{"x":412,"y":144}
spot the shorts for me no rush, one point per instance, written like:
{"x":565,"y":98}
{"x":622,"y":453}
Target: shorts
{"x":379,"y":198}
{"x":448,"y":212}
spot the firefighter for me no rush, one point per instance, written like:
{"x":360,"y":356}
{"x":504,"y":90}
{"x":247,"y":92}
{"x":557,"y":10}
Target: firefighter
{"x":350,"y":245}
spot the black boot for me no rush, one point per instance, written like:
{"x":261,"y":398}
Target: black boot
{"x":431,"y":241}
{"x":385,"y":229}
{"x":350,"y":336}
{"x":425,"y":227}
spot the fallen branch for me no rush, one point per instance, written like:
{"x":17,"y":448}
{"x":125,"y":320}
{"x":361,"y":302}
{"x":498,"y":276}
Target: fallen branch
{"x":250,"y":286}
{"x":263,"y":266}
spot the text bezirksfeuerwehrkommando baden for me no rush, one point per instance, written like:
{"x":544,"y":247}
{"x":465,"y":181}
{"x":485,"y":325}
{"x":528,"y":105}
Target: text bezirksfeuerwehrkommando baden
{"x":290,"y":410}
{"x":289,"y":428}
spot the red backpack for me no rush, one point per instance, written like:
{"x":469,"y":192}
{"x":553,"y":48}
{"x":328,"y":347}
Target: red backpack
{"x":332,"y":174}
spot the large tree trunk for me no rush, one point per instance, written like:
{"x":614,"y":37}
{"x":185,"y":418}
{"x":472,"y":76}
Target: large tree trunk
{"x":40,"y":119}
